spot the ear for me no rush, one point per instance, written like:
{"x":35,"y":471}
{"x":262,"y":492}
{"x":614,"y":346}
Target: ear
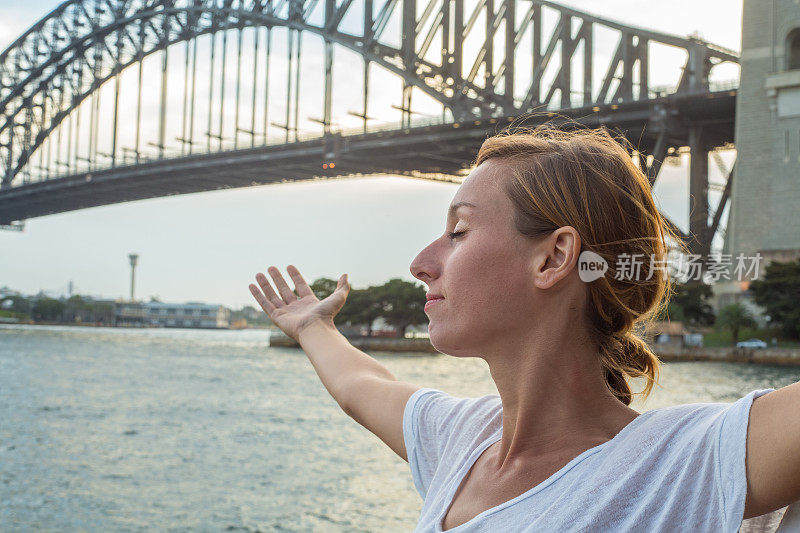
{"x":555,"y":256}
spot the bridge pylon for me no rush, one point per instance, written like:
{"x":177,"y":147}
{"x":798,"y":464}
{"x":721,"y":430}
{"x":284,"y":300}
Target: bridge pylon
{"x":764,"y":218}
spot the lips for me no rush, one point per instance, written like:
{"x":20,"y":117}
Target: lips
{"x":432,"y":300}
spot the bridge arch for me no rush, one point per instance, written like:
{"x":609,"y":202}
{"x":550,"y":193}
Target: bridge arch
{"x":56,"y":65}
{"x":37,"y":68}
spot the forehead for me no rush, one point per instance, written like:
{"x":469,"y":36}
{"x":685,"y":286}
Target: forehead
{"x":482,"y":187}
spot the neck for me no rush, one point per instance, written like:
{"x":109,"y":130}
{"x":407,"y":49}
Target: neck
{"x":554,"y":397}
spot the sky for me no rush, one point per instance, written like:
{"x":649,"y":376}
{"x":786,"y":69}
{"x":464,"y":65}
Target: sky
{"x":208,"y":246}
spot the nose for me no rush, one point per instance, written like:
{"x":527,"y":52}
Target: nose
{"x":425,"y":267}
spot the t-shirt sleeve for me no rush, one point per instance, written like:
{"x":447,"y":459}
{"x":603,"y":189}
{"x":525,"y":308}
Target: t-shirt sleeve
{"x":430,"y":418}
{"x":730,"y":441}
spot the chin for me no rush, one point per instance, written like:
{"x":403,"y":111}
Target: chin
{"x":448,"y":342}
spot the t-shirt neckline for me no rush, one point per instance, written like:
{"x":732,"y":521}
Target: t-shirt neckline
{"x":496,"y":436}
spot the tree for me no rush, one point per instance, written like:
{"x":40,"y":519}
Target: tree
{"x":673,"y":313}
{"x":77,"y":309}
{"x":102,"y":312}
{"x":778,"y":292}
{"x":19,"y":304}
{"x":48,"y":309}
{"x":399,"y":302}
{"x":692,"y":300}
{"x":323,"y":287}
{"x":251,"y":315}
{"x":735,"y":317}
{"x":363,"y":306}
{"x":404,"y":304}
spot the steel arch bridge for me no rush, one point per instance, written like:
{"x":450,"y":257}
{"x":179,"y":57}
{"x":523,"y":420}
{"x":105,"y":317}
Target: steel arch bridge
{"x":482,"y":61}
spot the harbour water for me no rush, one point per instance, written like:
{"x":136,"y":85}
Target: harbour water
{"x":212,"y":430}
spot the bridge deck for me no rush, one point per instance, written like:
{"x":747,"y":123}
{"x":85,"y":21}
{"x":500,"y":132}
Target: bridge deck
{"x":444,"y":149}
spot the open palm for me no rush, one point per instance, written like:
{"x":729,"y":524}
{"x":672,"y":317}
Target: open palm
{"x":291,"y":312}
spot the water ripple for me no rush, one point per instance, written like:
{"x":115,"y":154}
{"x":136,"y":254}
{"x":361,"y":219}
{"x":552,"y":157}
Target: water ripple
{"x":121,"y":429}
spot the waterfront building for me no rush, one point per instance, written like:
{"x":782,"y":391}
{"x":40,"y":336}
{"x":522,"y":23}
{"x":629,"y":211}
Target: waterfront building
{"x":171,"y":315}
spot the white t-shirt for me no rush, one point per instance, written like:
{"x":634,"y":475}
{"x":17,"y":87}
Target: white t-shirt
{"x":678,"y":468}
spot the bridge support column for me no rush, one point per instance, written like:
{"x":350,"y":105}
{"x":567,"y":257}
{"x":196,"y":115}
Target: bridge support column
{"x":698,"y":192}
{"x":9,"y":175}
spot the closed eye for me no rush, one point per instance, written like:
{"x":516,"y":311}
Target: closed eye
{"x":456,"y":234}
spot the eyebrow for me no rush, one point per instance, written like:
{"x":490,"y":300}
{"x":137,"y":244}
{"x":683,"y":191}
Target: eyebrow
{"x":453,"y":208}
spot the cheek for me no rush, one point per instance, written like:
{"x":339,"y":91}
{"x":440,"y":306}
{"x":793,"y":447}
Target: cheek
{"x":492,"y":279}
{"x":488,"y":296}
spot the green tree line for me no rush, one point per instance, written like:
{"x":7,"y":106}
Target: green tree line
{"x":76,"y":308}
{"x":400,"y":303}
{"x":777,"y":291}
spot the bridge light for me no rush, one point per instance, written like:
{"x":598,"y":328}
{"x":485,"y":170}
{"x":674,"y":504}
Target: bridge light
{"x":324,"y":165}
{"x":332,"y":165}
{"x":595,"y":109}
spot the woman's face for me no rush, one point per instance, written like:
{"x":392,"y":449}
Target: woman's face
{"x":484,"y":272}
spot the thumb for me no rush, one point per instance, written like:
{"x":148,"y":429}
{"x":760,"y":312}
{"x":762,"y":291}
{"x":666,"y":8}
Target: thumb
{"x":342,"y":283}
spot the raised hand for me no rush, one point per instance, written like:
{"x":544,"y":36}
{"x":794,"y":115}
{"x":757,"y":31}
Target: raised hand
{"x":291,"y":312}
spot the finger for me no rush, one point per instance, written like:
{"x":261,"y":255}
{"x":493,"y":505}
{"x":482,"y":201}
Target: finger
{"x":262,"y":300}
{"x":280,"y":283}
{"x":300,"y":285}
{"x":270,"y":295}
{"x":342,"y":287}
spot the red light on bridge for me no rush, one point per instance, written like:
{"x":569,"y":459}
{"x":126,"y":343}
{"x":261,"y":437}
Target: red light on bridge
{"x":328,"y":165}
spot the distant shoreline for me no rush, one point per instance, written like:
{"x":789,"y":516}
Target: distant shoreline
{"x":730,"y":354}
{"x":101,"y":325}
{"x":666,"y":353}
{"x":383,"y":344}
{"x":766,"y":356}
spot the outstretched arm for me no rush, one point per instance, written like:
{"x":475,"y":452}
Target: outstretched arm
{"x":773,"y":451}
{"x":365,"y":389}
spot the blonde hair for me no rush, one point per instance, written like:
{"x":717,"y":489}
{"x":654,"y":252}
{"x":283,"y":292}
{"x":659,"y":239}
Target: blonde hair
{"x":587,"y":179}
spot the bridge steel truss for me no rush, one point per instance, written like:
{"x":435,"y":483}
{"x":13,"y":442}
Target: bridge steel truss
{"x":68,"y":55}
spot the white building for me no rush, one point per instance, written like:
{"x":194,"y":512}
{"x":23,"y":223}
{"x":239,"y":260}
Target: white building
{"x":167,"y":315}
{"x":188,"y":315}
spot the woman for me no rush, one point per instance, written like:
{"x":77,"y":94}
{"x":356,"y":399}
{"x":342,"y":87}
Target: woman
{"x":511,"y":282}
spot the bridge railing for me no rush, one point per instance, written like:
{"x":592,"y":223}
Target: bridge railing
{"x":396,"y":125}
{"x":576,"y":100}
{"x":713,"y":86}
